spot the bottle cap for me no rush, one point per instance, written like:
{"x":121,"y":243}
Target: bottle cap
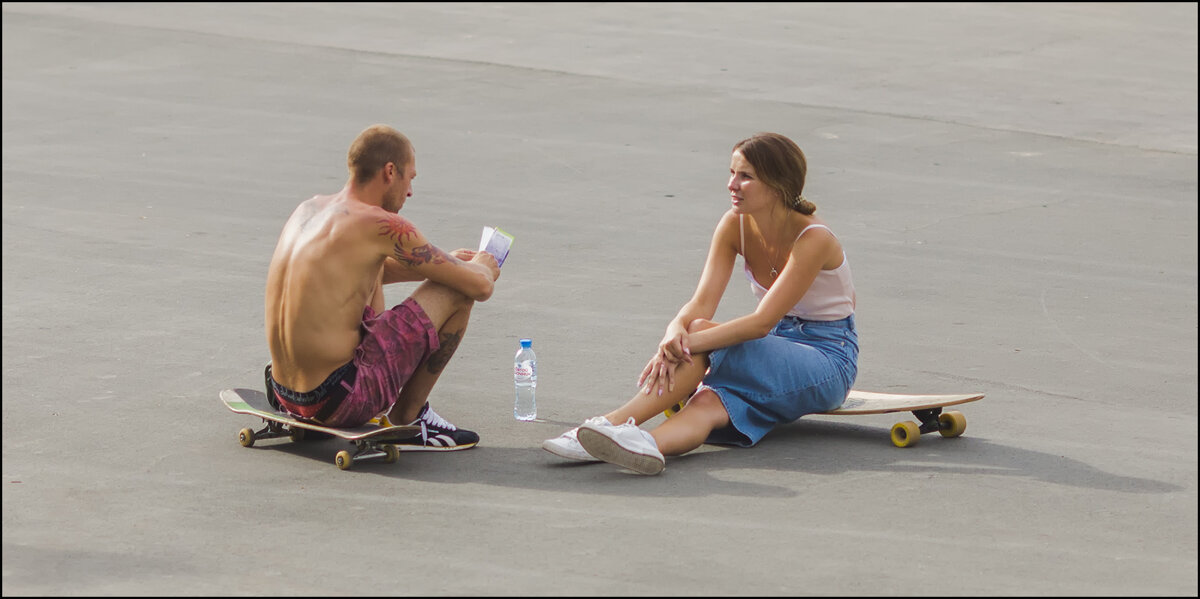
{"x":527,"y":343}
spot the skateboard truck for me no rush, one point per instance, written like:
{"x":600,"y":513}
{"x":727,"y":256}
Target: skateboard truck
{"x":949,"y":424}
{"x":929,"y":420}
{"x":366,"y":449}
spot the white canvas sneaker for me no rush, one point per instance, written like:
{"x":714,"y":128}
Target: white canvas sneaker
{"x":567,"y":444}
{"x":625,"y":445}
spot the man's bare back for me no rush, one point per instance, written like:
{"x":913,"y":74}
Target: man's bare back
{"x":333,"y":257}
{"x":322,"y":274}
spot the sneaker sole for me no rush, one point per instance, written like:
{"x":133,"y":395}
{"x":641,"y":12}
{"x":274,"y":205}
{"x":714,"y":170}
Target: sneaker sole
{"x":610,"y":451}
{"x":411,"y":447}
{"x":554,"y":450}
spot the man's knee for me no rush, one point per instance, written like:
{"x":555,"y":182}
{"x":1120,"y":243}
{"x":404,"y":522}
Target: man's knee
{"x":440,"y":302}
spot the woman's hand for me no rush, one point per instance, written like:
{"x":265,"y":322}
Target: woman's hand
{"x":659,"y":373}
{"x":675,"y":346}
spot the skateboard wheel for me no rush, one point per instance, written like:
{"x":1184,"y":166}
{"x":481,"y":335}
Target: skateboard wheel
{"x":673,"y":410}
{"x":952,"y":424}
{"x":905,"y":434}
{"x":246,"y":437}
{"x":297,"y":434}
{"x":344,"y":460}
{"x":392,"y":454}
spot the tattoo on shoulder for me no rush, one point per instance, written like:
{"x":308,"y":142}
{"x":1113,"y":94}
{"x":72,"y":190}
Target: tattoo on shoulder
{"x":396,"y":229}
{"x":425,"y":254}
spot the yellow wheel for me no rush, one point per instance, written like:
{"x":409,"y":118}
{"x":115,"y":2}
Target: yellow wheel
{"x":392,"y":454}
{"x":673,"y":410}
{"x":905,"y":434}
{"x":344,"y":460}
{"x":952,"y":424}
{"x":297,"y":434}
{"x":246,"y":437}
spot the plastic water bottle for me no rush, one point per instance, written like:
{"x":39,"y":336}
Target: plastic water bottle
{"x":525,"y":380}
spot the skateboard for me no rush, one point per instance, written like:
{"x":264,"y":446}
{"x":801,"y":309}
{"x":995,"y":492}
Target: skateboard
{"x":372,"y":441}
{"x":927,"y":409}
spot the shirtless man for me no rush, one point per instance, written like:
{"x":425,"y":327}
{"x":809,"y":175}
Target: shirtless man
{"x":338,"y":358}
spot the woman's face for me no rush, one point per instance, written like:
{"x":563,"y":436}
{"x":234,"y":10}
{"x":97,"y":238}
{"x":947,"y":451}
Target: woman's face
{"x":747,"y":193}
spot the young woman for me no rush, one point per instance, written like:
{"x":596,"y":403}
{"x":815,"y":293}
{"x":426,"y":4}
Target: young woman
{"x":795,"y":354}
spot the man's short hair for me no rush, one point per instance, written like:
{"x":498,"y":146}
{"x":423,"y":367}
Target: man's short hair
{"x":376,"y":146}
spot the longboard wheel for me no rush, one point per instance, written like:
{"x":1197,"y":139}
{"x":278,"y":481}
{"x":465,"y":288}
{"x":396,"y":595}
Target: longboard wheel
{"x":344,"y":460}
{"x":392,"y":452}
{"x":905,"y":434}
{"x":952,"y":424}
{"x":297,"y":434}
{"x":246,"y":437}
{"x":673,"y":410}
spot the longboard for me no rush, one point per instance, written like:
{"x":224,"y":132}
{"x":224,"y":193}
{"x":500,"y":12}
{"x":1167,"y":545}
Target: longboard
{"x":372,"y":441}
{"x":927,"y":409}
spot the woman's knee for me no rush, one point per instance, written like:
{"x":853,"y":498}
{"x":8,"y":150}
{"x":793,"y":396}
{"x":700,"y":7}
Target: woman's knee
{"x":707,"y":404}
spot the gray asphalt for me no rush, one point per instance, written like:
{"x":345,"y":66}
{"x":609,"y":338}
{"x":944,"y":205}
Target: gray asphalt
{"x":1015,"y":185}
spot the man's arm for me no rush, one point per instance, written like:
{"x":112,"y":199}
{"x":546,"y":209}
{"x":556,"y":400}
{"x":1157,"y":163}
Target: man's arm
{"x":411,"y":257}
{"x":395,"y":272}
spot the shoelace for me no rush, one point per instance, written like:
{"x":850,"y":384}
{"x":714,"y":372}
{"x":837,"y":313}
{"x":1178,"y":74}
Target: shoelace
{"x":432,"y":418}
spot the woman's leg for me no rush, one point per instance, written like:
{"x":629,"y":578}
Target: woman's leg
{"x":688,"y":429}
{"x":645,"y":406}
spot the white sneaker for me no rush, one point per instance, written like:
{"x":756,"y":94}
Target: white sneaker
{"x":625,"y":445}
{"x":567,"y":444}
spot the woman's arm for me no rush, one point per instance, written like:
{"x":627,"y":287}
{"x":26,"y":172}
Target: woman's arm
{"x":718,"y":267}
{"x":809,"y":254}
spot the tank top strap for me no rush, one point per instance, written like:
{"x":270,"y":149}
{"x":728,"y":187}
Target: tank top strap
{"x":805,"y":230}
{"x":742,"y":232}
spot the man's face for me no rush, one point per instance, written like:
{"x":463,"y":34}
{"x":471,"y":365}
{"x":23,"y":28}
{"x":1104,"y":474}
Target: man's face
{"x":401,"y":187}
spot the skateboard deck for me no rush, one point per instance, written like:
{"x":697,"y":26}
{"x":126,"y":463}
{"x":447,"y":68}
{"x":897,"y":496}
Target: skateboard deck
{"x":927,"y":409}
{"x":372,"y":441}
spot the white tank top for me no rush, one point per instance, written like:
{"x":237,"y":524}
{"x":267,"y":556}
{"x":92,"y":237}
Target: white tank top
{"x":831,"y":295}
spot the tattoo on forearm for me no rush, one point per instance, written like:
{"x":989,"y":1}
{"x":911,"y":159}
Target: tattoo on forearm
{"x":426,"y":254}
{"x":448,"y":343}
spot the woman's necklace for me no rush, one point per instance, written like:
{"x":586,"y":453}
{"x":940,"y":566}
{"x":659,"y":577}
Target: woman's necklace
{"x":770,"y":255}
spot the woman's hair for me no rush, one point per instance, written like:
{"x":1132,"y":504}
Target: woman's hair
{"x":779,"y":163}
{"x":376,"y":146}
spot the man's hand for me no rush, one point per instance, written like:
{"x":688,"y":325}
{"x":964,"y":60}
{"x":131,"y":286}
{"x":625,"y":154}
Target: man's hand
{"x":488,"y":261}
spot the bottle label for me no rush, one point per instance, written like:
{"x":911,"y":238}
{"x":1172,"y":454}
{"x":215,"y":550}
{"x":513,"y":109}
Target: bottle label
{"x":523,"y":370}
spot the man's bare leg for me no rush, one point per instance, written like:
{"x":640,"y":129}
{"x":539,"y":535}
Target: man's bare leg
{"x":449,"y":311}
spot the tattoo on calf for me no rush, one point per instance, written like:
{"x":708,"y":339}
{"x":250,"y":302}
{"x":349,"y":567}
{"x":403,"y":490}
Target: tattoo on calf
{"x":448,"y":343}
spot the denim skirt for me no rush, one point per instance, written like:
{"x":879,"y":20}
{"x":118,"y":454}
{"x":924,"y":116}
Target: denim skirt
{"x":801,"y":367}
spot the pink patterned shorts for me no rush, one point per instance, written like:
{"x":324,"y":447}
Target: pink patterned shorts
{"x":393,"y":344}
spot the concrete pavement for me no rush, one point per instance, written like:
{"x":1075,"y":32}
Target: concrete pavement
{"x":1015,"y":185}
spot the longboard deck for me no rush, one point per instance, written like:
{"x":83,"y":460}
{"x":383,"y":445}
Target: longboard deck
{"x":927,"y":409}
{"x":253,"y":402}
{"x":870,"y":402}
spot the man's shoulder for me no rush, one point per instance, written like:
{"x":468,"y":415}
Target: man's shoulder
{"x":342,"y":207}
